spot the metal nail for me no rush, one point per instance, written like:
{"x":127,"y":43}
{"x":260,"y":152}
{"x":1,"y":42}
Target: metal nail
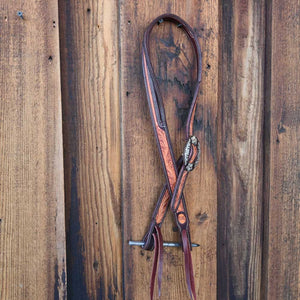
{"x":20,"y":14}
{"x":165,"y":244}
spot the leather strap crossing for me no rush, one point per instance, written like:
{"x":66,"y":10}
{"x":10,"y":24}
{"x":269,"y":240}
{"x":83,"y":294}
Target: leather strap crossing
{"x":176,"y":173}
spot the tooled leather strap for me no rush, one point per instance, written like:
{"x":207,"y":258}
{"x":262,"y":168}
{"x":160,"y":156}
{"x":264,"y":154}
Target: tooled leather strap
{"x":175,"y":173}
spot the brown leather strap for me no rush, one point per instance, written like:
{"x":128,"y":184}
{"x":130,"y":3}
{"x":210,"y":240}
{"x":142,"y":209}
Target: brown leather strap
{"x":158,"y":259}
{"x":175,"y":173}
{"x":188,"y":266}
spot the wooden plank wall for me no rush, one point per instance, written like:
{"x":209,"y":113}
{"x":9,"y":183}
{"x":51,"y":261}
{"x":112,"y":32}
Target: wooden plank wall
{"x":240,"y":149}
{"x":32,"y":232}
{"x":79,"y":167}
{"x":90,"y":87}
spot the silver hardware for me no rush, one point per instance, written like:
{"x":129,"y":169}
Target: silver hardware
{"x":189,"y":166}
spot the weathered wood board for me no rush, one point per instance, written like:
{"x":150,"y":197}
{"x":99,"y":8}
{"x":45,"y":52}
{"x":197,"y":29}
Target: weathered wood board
{"x":240,"y":149}
{"x":282,"y":160}
{"x":32,"y":231}
{"x":90,"y":91}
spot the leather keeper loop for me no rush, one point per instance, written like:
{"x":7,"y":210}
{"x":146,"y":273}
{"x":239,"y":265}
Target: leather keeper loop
{"x":182,"y":221}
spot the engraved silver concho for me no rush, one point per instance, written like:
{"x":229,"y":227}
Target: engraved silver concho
{"x":189,"y":166}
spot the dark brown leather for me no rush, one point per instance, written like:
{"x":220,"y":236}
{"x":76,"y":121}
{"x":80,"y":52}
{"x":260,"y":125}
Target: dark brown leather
{"x":158,"y":259}
{"x":175,"y":172}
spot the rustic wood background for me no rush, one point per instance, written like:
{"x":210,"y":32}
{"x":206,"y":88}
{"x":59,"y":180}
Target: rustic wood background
{"x":79,"y":166}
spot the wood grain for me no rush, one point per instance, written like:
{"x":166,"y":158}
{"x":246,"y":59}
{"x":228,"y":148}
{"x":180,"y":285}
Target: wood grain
{"x":90,"y":84}
{"x":142,"y":173}
{"x":240,"y":150}
{"x":282,"y":185}
{"x":32,"y":231}
{"x":243,"y":197}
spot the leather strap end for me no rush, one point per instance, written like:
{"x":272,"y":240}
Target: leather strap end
{"x":157,"y":262}
{"x":189,"y":274}
{"x":154,"y":267}
{"x":160,"y":259}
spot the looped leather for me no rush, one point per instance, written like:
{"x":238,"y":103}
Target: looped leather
{"x":176,"y":173}
{"x":149,"y":239}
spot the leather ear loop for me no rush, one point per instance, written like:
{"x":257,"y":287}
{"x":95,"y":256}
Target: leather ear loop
{"x":194,"y":41}
{"x":189,"y":130}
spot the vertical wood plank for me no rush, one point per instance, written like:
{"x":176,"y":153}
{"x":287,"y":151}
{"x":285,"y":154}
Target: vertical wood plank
{"x":143,"y":177}
{"x":240,"y":149}
{"x":90,"y":68}
{"x":282,"y":185}
{"x":32,"y":231}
